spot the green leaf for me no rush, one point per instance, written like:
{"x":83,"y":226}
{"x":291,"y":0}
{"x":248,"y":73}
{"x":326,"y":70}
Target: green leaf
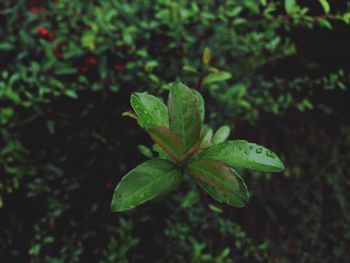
{"x":148,"y":180}
{"x":200,"y":103}
{"x":150,"y":110}
{"x":144,"y":150}
{"x":219,"y":181}
{"x":207,"y":135}
{"x":325,"y":23}
{"x":184,"y":114}
{"x":290,"y":6}
{"x":190,"y":69}
{"x":244,"y":154}
{"x":6,"y":46}
{"x":161,"y":153}
{"x":325,"y":6}
{"x":168,"y":141}
{"x":215,"y":77}
{"x":221,"y":134}
{"x":72,"y":94}
{"x":206,"y":56}
{"x":189,"y":199}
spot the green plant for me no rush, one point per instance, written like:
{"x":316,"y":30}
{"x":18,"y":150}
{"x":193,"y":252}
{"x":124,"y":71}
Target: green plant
{"x":187,"y":146}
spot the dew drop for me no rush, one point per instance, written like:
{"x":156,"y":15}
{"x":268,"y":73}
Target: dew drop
{"x":259,"y":150}
{"x":251,"y":147}
{"x":246,"y":151}
{"x":270,"y":154}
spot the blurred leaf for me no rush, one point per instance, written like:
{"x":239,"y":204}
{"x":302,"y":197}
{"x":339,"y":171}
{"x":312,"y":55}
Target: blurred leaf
{"x":65,"y":70}
{"x":190,"y":199}
{"x":71,"y":93}
{"x":325,"y":23}
{"x":215,"y":77}
{"x":190,"y":69}
{"x":325,"y":6}
{"x":221,"y":134}
{"x":5,"y":46}
{"x":144,"y":150}
{"x":200,"y":103}
{"x":213,"y":69}
{"x":88,"y":40}
{"x":207,"y":135}
{"x":290,"y":6}
{"x":206,"y":56}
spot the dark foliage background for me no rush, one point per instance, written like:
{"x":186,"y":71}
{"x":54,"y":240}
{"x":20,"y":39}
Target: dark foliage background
{"x":67,"y":71}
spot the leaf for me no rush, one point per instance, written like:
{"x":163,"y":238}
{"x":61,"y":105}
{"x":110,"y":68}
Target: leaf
{"x":184,"y":114}
{"x":150,"y":110}
{"x":207,"y":135}
{"x":200,"y":103}
{"x":144,"y":150}
{"x":215,"y":77}
{"x":325,"y":5}
{"x":206,"y":56}
{"x":325,"y":23}
{"x":244,"y":154}
{"x":290,"y":6}
{"x":161,"y":153}
{"x":190,"y":69}
{"x":6,"y":46}
{"x":146,"y":181}
{"x":219,"y":181}
{"x":168,"y":141}
{"x":189,"y":199}
{"x":72,"y":94}
{"x":221,"y":134}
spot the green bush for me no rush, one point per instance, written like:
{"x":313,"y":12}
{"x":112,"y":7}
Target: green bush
{"x":278,"y":74}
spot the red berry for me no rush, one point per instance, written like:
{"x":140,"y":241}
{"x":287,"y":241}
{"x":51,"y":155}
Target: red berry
{"x":35,"y":10}
{"x":43,"y":32}
{"x":90,"y":61}
{"x":83,"y":70}
{"x":119,"y":67}
{"x":120,"y":48}
{"x":51,"y":36}
{"x":56,"y":50}
{"x":109,"y":184}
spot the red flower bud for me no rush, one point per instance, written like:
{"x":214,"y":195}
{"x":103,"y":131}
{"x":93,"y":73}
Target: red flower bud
{"x":56,"y":50}
{"x":90,"y":61}
{"x":119,"y":67}
{"x":35,"y":10}
{"x":120,"y":48}
{"x":43,"y":32}
{"x":109,"y":184}
{"x":51,"y":36}
{"x":83,"y":70}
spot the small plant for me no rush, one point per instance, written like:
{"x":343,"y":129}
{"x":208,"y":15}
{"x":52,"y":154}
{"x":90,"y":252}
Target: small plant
{"x":186,"y":146}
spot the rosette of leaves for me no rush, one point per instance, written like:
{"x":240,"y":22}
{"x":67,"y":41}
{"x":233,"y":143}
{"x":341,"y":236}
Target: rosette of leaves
{"x":188,"y":147}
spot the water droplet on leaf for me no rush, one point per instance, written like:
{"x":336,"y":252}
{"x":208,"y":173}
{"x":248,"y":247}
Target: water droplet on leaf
{"x":259,"y":150}
{"x":270,"y":154}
